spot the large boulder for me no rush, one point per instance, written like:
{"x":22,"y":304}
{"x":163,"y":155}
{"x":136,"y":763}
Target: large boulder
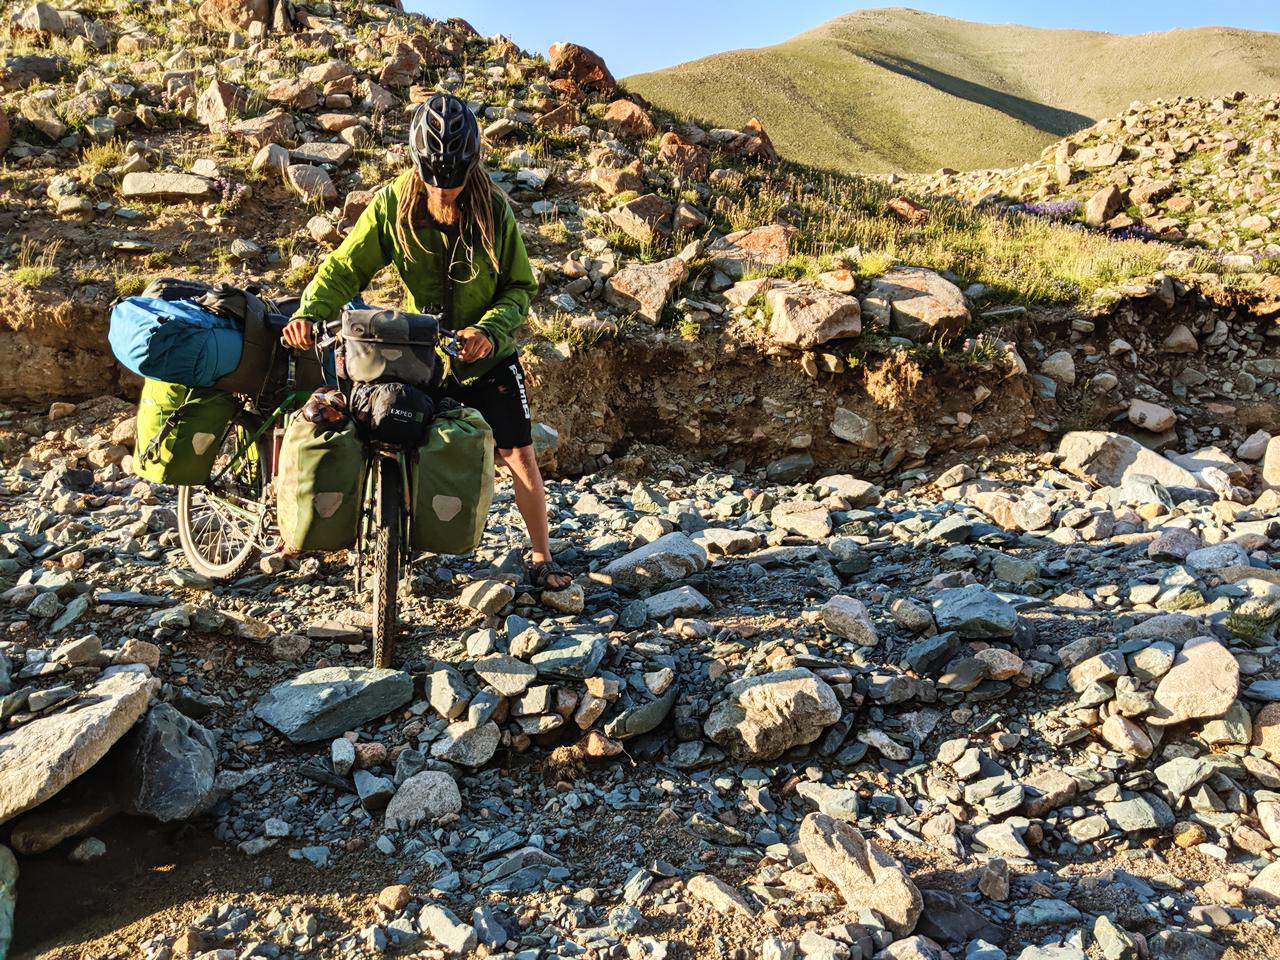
{"x":295,"y":93}
{"x":627,"y":119}
{"x":321,"y":704}
{"x":763,"y":247}
{"x":582,"y":66}
{"x":763,"y":717}
{"x":866,"y":876}
{"x":40,"y":18}
{"x":688,"y":160}
{"x":169,"y":767}
{"x":645,"y":288}
{"x":807,"y":317}
{"x":233,"y":14}
{"x":1109,"y":459}
{"x":666,"y":560}
{"x":916,"y":303}
{"x":43,"y":756}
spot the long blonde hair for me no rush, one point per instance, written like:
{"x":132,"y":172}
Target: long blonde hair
{"x":475,"y":201}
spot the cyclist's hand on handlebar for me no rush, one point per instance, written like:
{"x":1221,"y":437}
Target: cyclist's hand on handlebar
{"x":297,"y":334}
{"x":473,"y":345}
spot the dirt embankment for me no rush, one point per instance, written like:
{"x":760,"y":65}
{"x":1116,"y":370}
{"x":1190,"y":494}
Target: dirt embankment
{"x":731,"y":400}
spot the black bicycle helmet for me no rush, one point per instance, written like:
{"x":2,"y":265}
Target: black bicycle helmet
{"x":444,"y":140}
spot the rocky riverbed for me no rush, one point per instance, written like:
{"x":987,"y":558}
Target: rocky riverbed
{"x":1021,"y":707}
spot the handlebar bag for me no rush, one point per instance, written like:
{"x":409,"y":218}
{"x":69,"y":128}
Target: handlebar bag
{"x":453,"y":483}
{"x":179,"y":431}
{"x":381,"y":346}
{"x":318,"y":485}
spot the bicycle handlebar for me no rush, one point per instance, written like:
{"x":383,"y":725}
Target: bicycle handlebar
{"x":448,"y":340}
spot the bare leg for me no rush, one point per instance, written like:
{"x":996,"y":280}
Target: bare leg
{"x":531,"y":500}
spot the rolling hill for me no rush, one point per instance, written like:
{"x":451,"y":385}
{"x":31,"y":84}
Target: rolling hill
{"x":900,"y":90}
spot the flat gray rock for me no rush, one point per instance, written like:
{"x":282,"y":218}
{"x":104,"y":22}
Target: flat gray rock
{"x":657,"y":564}
{"x":975,"y":613}
{"x":321,"y":704}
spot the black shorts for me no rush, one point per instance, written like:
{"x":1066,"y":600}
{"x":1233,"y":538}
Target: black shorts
{"x":502,"y":399}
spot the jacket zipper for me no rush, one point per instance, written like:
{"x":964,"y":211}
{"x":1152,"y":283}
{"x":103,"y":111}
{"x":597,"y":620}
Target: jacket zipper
{"x":446,"y":291}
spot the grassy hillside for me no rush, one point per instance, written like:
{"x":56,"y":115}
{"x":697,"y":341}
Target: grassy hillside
{"x":900,"y":90}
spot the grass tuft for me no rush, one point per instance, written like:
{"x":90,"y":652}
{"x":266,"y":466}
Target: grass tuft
{"x":34,"y":269}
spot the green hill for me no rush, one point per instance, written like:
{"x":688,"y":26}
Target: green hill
{"x":901,"y":90}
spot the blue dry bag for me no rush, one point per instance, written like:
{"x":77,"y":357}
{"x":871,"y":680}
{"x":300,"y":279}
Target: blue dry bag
{"x":176,"y":341}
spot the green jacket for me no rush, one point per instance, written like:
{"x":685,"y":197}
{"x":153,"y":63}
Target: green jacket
{"x":496,"y":302}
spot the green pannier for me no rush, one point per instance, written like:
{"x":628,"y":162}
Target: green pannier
{"x":180,"y":430}
{"x":318,"y":485}
{"x":453,"y":484}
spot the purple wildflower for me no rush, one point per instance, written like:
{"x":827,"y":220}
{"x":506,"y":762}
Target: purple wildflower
{"x":1050,"y":209}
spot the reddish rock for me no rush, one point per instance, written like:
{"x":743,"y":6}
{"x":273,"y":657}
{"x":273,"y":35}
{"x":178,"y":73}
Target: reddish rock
{"x":917,"y":303}
{"x":294,"y":94}
{"x":352,"y":206}
{"x":1201,"y":685}
{"x":311,"y":182}
{"x":429,"y":55}
{"x":567,"y":89}
{"x":1266,"y":730}
{"x":613,"y":182}
{"x":907,"y":210}
{"x":1102,"y":206}
{"x":4,"y":132}
{"x":865,"y":875}
{"x":220,"y":102}
{"x":271,"y":127}
{"x":584,"y":67}
{"x":751,"y":249}
{"x":328,"y":72}
{"x":627,"y":119}
{"x":645,"y":288}
{"x":757,"y":144}
{"x":335,"y":122}
{"x":684,"y":158}
{"x":563,"y":117}
{"x":643,"y":218}
{"x":233,"y":14}
{"x":806,"y":317}
{"x":401,"y":67}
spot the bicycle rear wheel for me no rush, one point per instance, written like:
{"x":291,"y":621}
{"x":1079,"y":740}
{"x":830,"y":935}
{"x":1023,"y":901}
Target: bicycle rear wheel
{"x":220,"y":523}
{"x":388,"y":507}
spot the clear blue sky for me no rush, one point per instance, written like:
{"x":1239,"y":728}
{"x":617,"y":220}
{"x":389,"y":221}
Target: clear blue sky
{"x":635,"y":37}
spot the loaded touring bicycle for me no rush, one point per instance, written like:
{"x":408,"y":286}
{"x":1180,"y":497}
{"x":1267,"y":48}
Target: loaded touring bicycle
{"x":339,"y":448}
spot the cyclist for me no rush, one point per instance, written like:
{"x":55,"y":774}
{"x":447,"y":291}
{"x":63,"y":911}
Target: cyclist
{"x":453,"y":240}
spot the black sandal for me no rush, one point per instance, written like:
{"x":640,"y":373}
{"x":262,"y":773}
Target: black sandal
{"x":539,"y":573}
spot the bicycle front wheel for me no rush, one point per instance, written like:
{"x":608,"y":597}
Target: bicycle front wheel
{"x":388,"y":506}
{"x":220,"y":523}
